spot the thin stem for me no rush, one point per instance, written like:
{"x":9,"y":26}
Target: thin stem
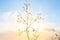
{"x":27,"y":19}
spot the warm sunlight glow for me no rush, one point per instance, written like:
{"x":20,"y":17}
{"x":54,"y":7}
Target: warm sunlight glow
{"x":36,"y":26}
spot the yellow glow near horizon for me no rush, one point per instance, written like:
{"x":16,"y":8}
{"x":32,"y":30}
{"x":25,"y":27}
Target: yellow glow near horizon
{"x":37,"y":26}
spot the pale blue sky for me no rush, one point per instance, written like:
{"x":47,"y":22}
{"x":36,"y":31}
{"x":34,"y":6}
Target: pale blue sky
{"x":51,"y":8}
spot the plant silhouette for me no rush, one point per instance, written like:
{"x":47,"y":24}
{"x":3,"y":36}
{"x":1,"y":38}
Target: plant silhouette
{"x":28,"y":21}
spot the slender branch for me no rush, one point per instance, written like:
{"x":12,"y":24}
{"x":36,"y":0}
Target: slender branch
{"x":21,"y":20}
{"x":34,"y":20}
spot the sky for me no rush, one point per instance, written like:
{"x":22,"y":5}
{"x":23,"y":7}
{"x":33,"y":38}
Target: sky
{"x":49,"y":9}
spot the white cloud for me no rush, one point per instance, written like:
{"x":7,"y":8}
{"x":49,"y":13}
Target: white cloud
{"x":9,"y":21}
